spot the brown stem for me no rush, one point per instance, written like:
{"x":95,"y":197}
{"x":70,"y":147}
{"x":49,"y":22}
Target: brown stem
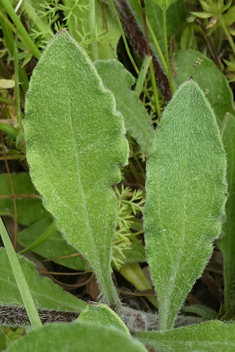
{"x":138,"y":41}
{"x":210,"y":44}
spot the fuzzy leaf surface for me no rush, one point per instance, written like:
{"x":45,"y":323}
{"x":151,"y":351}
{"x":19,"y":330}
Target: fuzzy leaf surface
{"x":102,"y":315}
{"x":81,"y":336}
{"x":75,"y":141}
{"x":209,"y":336}
{"x":137,"y":120}
{"x":185,"y":197}
{"x":191,"y":63}
{"x":227,"y":242}
{"x":45,"y":293}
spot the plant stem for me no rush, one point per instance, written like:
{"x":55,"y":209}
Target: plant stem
{"x":226,"y":31}
{"x":6,"y":101}
{"x":8,"y":129}
{"x":42,"y":26}
{"x":17,"y":87}
{"x":20,"y":279}
{"x":142,"y":75}
{"x":151,"y":69}
{"x":92,"y":28}
{"x":13,"y":29}
{"x":133,"y":273}
{"x":124,"y":37}
{"x":228,"y":287}
{"x":166,"y":49}
{"x":161,"y":56}
{"x":26,"y":38}
{"x":155,"y":92}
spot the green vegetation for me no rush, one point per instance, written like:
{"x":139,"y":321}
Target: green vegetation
{"x":93,"y":94}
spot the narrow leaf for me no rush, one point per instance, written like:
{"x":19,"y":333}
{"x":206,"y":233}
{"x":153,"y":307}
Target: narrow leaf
{"x":205,"y":312}
{"x":136,"y":254}
{"x":20,"y":278}
{"x":209,"y":336}
{"x":75,"y":141}
{"x":137,"y":120}
{"x":227,"y":242}
{"x":185,"y":197}
{"x":44,"y":292}
{"x":82,"y":336}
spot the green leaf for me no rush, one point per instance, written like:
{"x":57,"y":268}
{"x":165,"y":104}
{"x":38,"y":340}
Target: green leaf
{"x":135,"y":275}
{"x":44,"y":292}
{"x":192,"y":63}
{"x":29,"y":209}
{"x":137,"y":120}
{"x":82,"y":336}
{"x":107,"y":48}
{"x":102,"y":315}
{"x":20,"y":278}
{"x":202,"y":14}
{"x":205,"y":312}
{"x":227,"y":242}
{"x":43,"y":238}
{"x":164,"y":3}
{"x":229,"y":16}
{"x":135,"y":254}
{"x":187,"y":36}
{"x":107,"y":30}
{"x":206,"y":6}
{"x":185,"y":197}
{"x":3,"y":338}
{"x":175,"y":18}
{"x":226,"y":6}
{"x":209,"y":336}
{"x":74,"y":146}
{"x":54,"y":248}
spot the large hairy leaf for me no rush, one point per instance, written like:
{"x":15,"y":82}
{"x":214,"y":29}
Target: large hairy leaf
{"x":75,"y":141}
{"x":80,"y":337}
{"x":209,"y":336}
{"x":137,"y":120}
{"x":185,"y":197}
{"x":227,"y":242}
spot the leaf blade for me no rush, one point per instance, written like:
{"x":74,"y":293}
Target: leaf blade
{"x":80,"y":132}
{"x":57,"y":337}
{"x":209,"y":336}
{"x":226,"y":243}
{"x":192,"y":63}
{"x":44,"y":292}
{"x":185,"y":197}
{"x":137,"y":120}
